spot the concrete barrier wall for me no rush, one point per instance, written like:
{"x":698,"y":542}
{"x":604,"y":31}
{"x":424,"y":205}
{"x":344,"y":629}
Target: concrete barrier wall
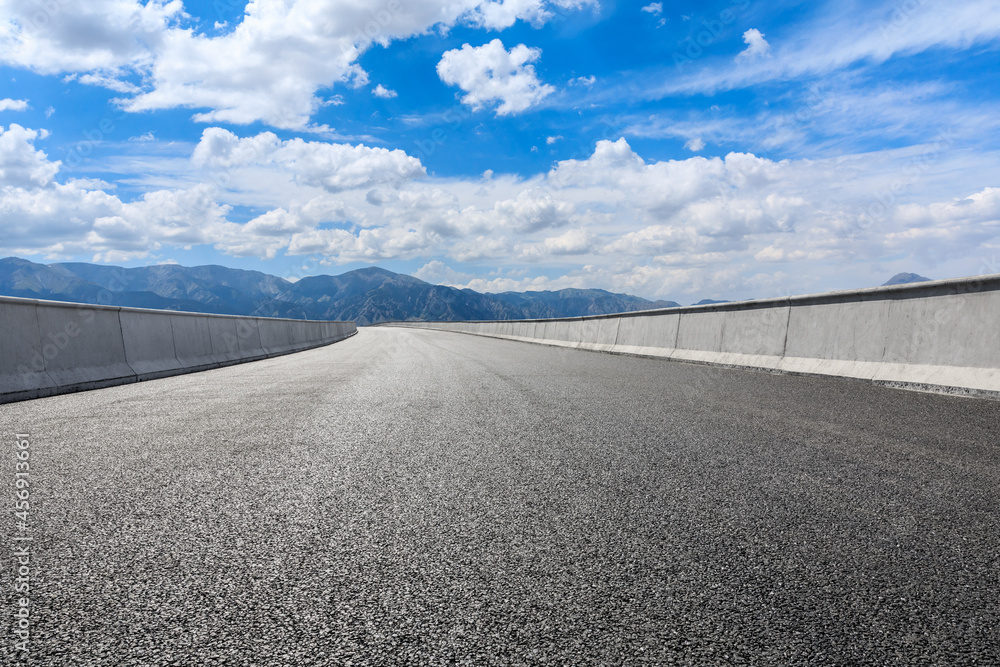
{"x":192,"y":341}
{"x":81,"y":346}
{"x":940,"y":336}
{"x":50,"y":347}
{"x":21,"y":349}
{"x":148,"y":341}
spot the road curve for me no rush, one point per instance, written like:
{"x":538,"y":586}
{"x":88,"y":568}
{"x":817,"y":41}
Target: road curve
{"x":428,"y":498}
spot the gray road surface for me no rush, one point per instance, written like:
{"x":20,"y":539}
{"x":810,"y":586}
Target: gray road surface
{"x":427,"y":498}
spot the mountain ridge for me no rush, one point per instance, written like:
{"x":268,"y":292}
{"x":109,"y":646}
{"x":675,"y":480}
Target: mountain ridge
{"x":368,"y":295}
{"x":905,"y":279}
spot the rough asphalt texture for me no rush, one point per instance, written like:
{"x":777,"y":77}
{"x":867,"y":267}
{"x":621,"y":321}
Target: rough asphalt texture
{"x":429,"y":498}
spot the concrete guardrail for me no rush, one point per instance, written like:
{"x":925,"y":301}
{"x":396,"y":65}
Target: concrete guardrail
{"x":937,"y":336}
{"x":51,"y":347}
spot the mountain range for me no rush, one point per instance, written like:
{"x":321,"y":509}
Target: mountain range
{"x":905,"y":279}
{"x":367,"y":296}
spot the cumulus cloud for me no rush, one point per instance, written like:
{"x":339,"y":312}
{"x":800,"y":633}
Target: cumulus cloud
{"x":713,"y":226}
{"x":757,"y":46}
{"x":946,"y":227}
{"x":99,"y":36}
{"x":384,"y":93}
{"x":655,"y":8}
{"x":21,"y":164}
{"x":531,"y":211}
{"x":263,"y":70}
{"x":511,"y":280}
{"x":269,"y":67}
{"x":490,"y":73}
{"x":694,"y":144}
{"x":503,"y":14}
{"x":439,"y":273}
{"x":649,"y":226}
{"x":8,"y":104}
{"x":71,"y":218}
{"x":573,"y":242}
{"x":334,"y":167}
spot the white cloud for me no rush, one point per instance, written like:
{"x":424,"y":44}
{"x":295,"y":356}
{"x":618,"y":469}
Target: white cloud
{"x":838,"y":109}
{"x":490,"y":73}
{"x":269,"y":67}
{"x":8,"y":104}
{"x":573,"y":242}
{"x":587,"y":81}
{"x":941,"y":228}
{"x":757,"y":46}
{"x":655,"y":8}
{"x":531,"y":211}
{"x":263,"y":70}
{"x":333,"y":167}
{"x":724,"y":227}
{"x":503,"y":14}
{"x":437,"y":272}
{"x":105,"y":80}
{"x":384,"y":93}
{"x":538,"y":283}
{"x":514,"y":280}
{"x":100,"y":36}
{"x":552,"y":140}
{"x":21,"y":164}
{"x":819,"y":47}
{"x":694,"y":144}
{"x":69,"y":219}
{"x":336,"y":167}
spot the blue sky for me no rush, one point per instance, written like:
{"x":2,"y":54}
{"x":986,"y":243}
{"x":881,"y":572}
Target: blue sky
{"x":671,"y":150}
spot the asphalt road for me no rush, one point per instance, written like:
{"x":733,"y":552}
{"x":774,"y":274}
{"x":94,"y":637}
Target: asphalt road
{"x":428,"y":498}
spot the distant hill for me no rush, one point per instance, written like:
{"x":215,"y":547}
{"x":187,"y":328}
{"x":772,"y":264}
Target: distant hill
{"x":904,"y":278}
{"x":707,"y":302}
{"x":537,"y":305}
{"x":367,"y":296}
